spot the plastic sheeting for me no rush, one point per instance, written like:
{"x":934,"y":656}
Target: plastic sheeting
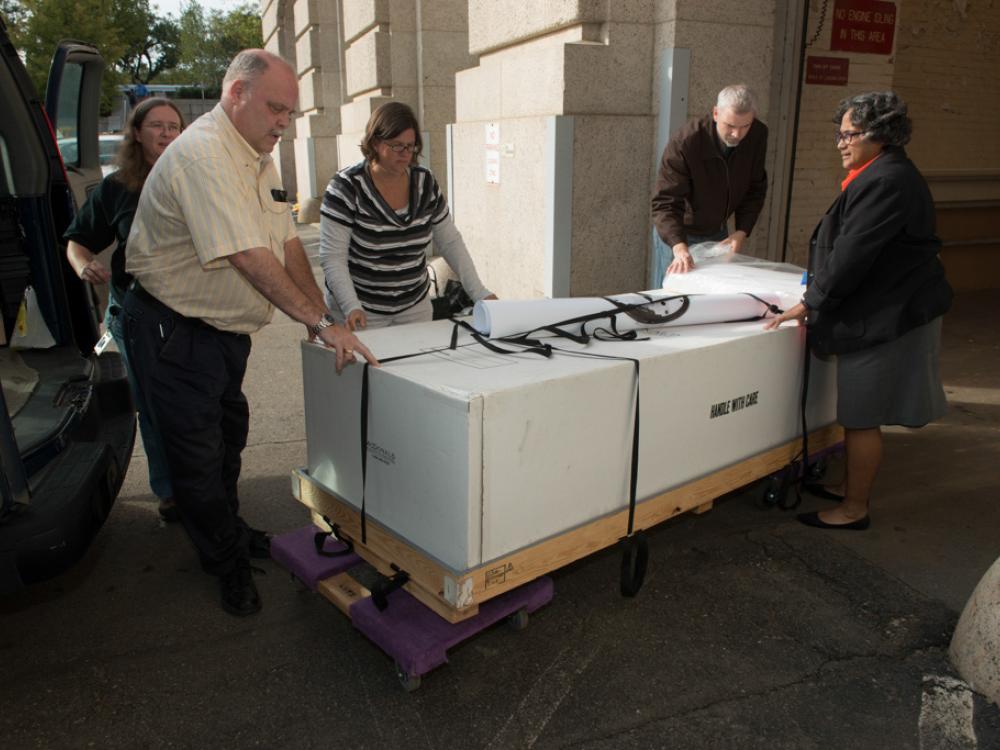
{"x":590,"y":315}
{"x":717,"y":270}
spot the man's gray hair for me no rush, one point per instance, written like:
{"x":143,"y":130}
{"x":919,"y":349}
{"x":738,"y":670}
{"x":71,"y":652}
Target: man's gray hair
{"x":738,"y":97}
{"x":247,"y":66}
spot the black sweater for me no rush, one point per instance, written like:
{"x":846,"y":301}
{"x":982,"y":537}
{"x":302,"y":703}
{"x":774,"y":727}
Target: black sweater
{"x":874,"y":270}
{"x":105,"y":217}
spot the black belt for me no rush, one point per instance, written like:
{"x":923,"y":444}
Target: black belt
{"x":136,"y":288}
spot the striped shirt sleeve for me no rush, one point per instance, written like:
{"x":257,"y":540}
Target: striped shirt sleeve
{"x":340,"y":202}
{"x":438,"y":203}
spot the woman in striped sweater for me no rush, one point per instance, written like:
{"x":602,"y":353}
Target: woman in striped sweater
{"x":377,"y":219}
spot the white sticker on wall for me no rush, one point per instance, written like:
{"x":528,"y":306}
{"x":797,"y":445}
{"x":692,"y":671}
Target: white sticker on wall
{"x":492,"y":166}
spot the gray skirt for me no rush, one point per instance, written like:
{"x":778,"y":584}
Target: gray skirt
{"x":895,"y":383}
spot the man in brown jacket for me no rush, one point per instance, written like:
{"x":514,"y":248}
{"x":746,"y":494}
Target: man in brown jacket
{"x":711,"y":169}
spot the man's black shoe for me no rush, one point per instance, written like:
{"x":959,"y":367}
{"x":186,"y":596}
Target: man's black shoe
{"x":239,"y":594}
{"x":168,"y":510}
{"x":259,"y":544}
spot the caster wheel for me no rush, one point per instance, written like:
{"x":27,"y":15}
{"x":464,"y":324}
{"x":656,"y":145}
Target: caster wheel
{"x":817,"y":471}
{"x":518,"y":620}
{"x":774,"y":492}
{"x":409,"y":682}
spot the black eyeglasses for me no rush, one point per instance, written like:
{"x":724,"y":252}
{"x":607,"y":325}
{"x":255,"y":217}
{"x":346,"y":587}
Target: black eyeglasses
{"x":849,"y":136}
{"x":398,"y":148}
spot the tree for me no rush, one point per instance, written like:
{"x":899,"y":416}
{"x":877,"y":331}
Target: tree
{"x":137,"y":45}
{"x":47,"y":22}
{"x":13,"y":13}
{"x":208,"y":42}
{"x":153,"y":52}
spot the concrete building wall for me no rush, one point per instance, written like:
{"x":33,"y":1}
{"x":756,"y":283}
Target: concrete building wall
{"x":279,"y":39}
{"x":947,"y":70}
{"x":314,"y":28}
{"x":574,"y":218}
{"x":353,"y":55}
{"x":561,"y":110}
{"x":818,"y":171}
{"x":570,"y":98}
{"x":403,"y":50}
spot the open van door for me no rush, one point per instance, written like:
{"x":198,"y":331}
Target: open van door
{"x":67,"y":423}
{"x":72,"y":101}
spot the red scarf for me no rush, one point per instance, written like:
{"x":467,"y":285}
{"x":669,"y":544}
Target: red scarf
{"x":855,"y":172}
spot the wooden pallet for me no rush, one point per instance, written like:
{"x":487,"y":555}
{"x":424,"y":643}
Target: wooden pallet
{"x":456,"y":596}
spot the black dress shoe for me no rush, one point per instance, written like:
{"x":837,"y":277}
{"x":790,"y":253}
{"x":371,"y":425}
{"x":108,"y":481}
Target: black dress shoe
{"x":168,"y":511}
{"x":239,"y":594}
{"x":818,"y":490}
{"x":813,"y":519}
{"x":259,"y":545}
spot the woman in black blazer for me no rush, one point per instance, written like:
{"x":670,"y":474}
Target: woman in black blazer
{"x":875,"y":297}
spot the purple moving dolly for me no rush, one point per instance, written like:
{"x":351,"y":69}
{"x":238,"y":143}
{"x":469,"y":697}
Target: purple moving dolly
{"x":296,"y":552}
{"x":412,"y":634}
{"x":418,"y":639}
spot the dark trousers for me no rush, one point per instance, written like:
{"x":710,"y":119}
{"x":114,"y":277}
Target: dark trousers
{"x":192,"y":375}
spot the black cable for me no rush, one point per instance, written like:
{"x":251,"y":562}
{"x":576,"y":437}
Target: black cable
{"x":822,"y":23}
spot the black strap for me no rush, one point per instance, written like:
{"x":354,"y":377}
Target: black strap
{"x":638,"y":311}
{"x":528,"y":346}
{"x":799,"y":467}
{"x":634,"y":473}
{"x":364,"y":450}
{"x":771,"y":308}
{"x":385,"y":586}
{"x":319,"y":540}
{"x":642,"y":313}
{"x":635,"y":557}
{"x":634,"y":553}
{"x":797,"y":470}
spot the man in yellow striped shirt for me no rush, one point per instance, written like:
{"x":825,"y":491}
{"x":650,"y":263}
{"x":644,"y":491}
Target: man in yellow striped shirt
{"x":213,"y":251}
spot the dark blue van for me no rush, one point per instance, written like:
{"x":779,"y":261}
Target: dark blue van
{"x":67,"y":423}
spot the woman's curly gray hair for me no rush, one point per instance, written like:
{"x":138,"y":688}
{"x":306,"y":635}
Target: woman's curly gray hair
{"x":880,"y":114}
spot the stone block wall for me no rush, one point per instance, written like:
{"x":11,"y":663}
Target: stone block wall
{"x":590,"y":69}
{"x":566,"y":68}
{"x":947,"y":71}
{"x":580,"y":95}
{"x":279,"y":39}
{"x":403,"y":50}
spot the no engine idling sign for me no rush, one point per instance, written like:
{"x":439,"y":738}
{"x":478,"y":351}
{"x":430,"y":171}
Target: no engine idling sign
{"x":863,"y":26}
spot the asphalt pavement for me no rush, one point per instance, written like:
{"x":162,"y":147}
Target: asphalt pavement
{"x":751,"y":631}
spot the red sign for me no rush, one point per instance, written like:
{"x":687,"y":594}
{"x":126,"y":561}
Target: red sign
{"x":863,"y":26}
{"x":827,"y":71}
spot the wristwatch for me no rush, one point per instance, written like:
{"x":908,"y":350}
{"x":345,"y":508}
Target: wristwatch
{"x":325,"y":322}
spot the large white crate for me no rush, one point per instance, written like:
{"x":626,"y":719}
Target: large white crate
{"x":473,"y":455}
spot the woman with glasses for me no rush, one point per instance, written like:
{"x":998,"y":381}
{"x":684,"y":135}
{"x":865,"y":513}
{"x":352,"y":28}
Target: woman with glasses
{"x":875,"y":298}
{"x":377,"y":220}
{"x":105,"y":218}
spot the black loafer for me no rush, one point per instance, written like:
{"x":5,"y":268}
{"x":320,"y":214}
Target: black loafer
{"x":259,"y":545}
{"x":813,"y":519}
{"x":818,"y":490}
{"x":168,"y":511}
{"x":239,"y":594}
